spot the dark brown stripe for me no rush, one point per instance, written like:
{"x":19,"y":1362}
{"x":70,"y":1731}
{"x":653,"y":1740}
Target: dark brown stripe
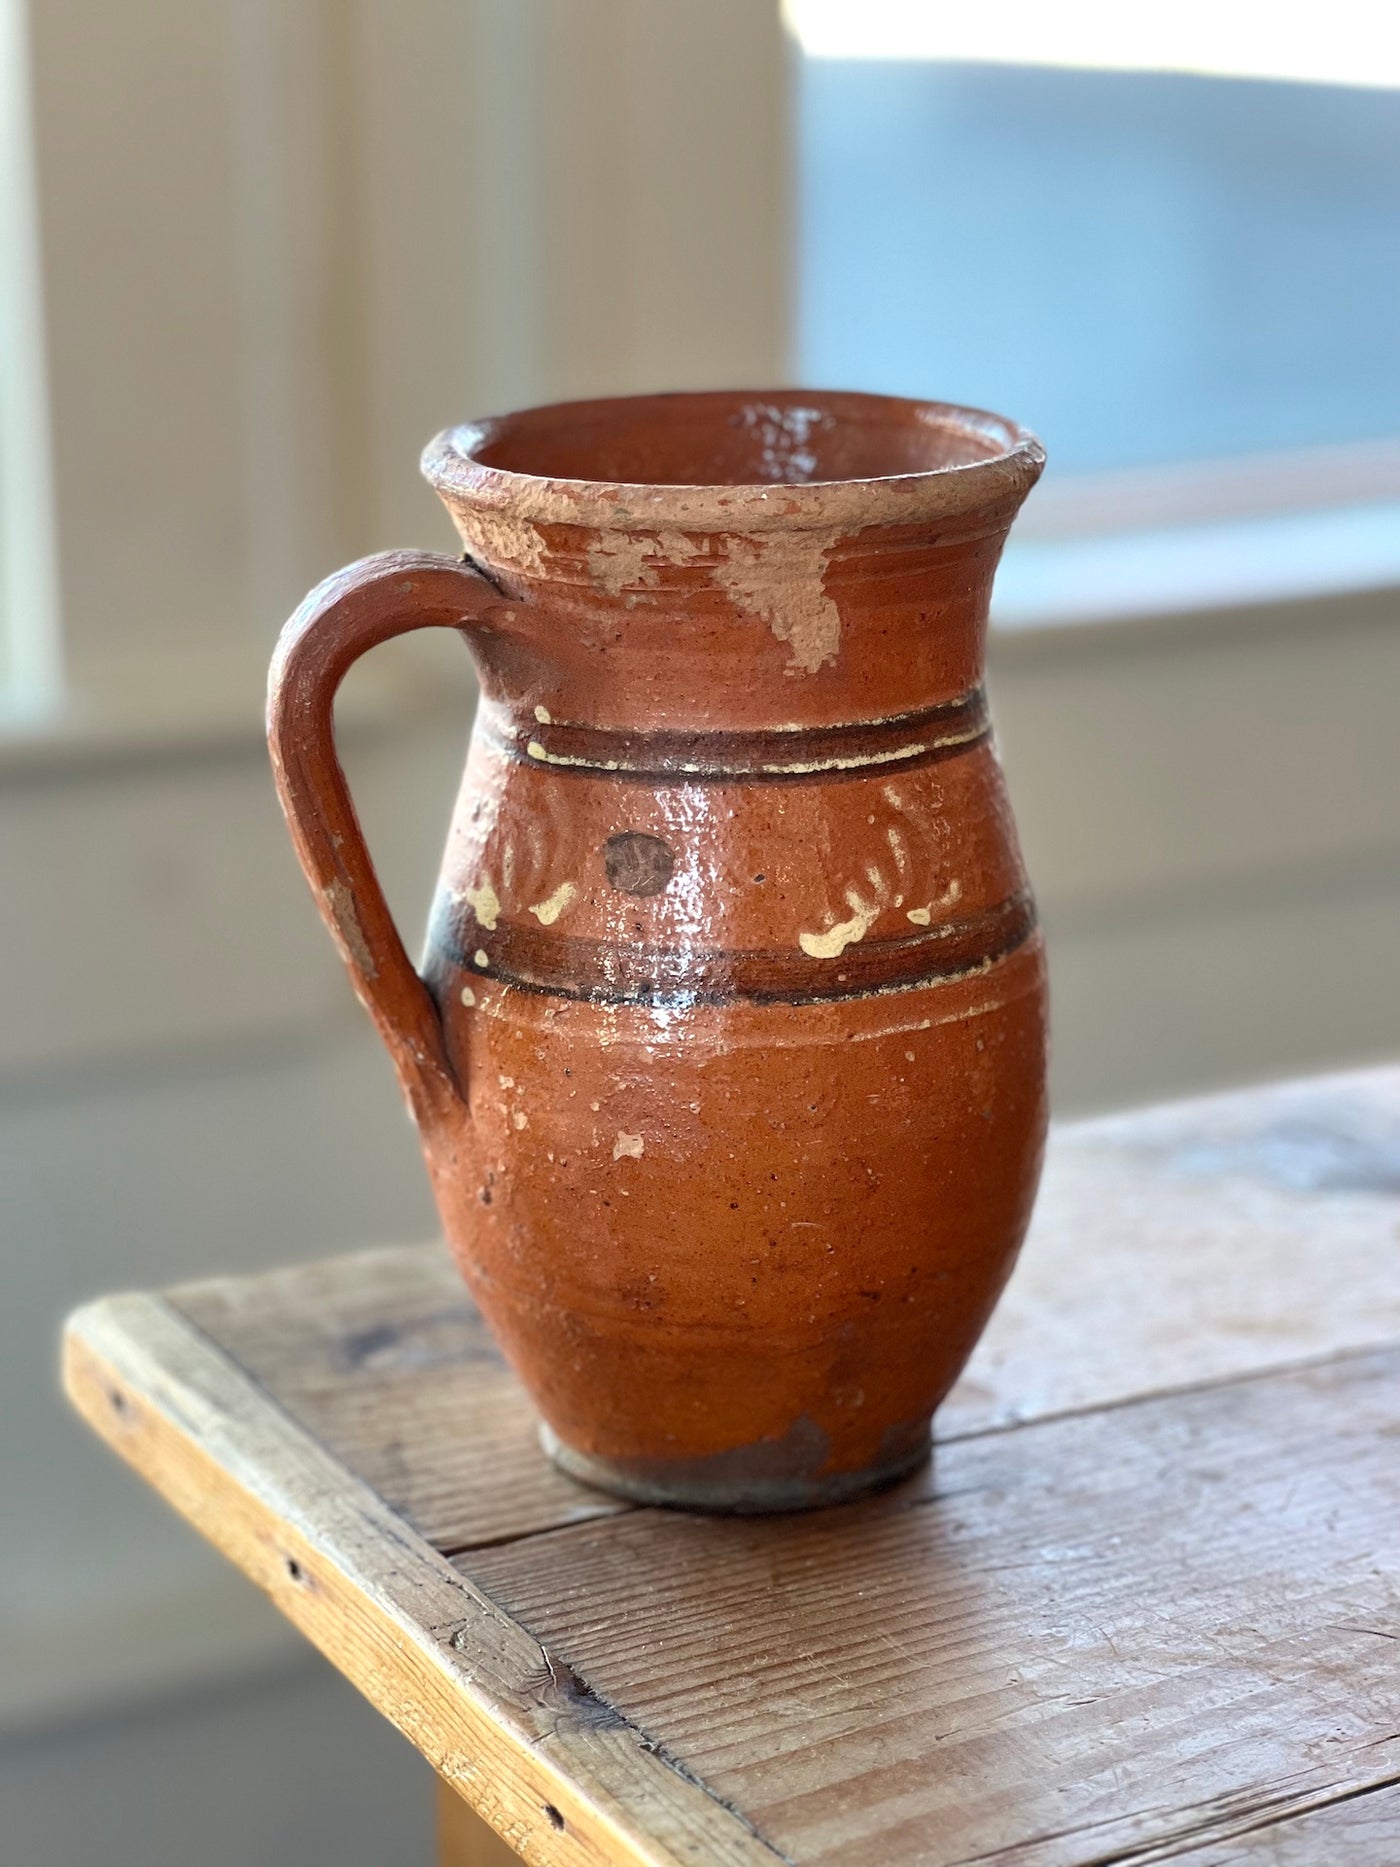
{"x":859,"y":750}
{"x":565,"y":966}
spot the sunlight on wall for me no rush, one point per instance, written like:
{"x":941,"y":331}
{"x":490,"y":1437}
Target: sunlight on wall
{"x":1350,"y":42}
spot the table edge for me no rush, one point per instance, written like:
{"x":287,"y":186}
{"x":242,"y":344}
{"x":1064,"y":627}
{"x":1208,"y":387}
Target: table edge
{"x":514,"y":1730}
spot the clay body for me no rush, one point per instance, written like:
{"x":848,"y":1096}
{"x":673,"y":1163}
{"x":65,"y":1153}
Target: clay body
{"x":728,"y":1051}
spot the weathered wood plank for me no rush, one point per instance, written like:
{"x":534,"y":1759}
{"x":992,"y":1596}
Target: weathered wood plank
{"x":464,"y":1840}
{"x":563,"y":1776}
{"x":383,"y":1358}
{"x":1084,"y":1640}
{"x":1362,"y":1831}
{"x":1195,"y":1242}
{"x":1130,"y":1628}
{"x":1169,"y":1248}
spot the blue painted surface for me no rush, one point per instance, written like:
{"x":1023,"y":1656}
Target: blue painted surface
{"x":1142,"y":267}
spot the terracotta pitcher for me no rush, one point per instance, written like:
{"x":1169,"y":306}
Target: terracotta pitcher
{"x":728,"y":1051}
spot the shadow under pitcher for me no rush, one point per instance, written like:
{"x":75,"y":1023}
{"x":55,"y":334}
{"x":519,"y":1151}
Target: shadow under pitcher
{"x":728,"y":1050}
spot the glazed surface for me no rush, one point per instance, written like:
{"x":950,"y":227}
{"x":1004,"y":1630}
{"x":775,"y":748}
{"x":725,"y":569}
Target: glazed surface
{"x":735,"y":1050}
{"x":755,"y":1066}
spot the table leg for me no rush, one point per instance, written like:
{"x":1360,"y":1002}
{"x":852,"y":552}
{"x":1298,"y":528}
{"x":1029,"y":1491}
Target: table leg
{"x":464,"y":1840}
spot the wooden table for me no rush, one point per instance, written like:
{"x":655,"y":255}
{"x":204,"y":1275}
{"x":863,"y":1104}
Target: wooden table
{"x":1144,"y":1605}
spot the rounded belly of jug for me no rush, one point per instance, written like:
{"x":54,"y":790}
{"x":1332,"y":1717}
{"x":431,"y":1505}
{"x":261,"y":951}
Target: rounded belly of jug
{"x":755,"y":1065}
{"x":739,"y":1252}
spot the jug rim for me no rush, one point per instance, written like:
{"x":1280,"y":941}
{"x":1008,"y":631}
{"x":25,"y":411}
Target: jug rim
{"x":950,"y":461}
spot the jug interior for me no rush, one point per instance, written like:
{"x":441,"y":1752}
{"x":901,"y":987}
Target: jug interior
{"x":736,"y":439}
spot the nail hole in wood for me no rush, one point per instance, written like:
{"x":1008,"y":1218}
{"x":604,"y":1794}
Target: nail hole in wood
{"x":294,"y":1569}
{"x":556,"y":1820}
{"x":118,"y":1402}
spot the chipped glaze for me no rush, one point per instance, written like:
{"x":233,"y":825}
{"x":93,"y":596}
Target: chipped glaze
{"x":728,"y":1049}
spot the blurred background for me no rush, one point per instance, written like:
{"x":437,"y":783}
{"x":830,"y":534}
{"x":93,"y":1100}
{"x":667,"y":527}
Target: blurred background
{"x":254,"y":253}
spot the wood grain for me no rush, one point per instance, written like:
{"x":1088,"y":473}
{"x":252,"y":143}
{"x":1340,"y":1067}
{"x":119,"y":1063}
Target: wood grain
{"x":384,"y":1360}
{"x":1195,"y":1242}
{"x":1073,"y":1641}
{"x":1144,"y":1605}
{"x":1169,"y":1248}
{"x":1357,"y":1831}
{"x":498,"y":1716}
{"x":464,"y":1840}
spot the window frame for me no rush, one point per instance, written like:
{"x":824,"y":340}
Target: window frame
{"x":30,"y":662}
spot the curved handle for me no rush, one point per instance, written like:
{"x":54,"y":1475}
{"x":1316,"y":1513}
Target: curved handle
{"x":355,"y":610}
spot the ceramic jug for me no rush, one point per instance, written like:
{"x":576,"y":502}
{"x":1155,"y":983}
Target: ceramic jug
{"x":728,"y":1047}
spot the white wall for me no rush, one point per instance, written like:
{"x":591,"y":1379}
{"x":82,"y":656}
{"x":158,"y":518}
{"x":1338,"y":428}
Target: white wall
{"x":1209,"y":810}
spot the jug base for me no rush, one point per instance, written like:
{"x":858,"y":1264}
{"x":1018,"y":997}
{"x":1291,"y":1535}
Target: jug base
{"x":718,"y":1487}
